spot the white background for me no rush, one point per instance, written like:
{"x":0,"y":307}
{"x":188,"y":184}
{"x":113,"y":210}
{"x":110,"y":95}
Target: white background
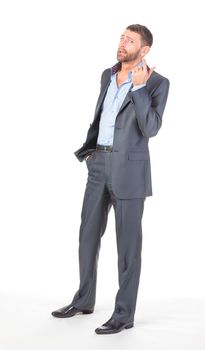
{"x":52,"y":57}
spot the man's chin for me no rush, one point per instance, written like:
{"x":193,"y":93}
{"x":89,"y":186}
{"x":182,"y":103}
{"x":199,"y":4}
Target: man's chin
{"x":121,"y":59}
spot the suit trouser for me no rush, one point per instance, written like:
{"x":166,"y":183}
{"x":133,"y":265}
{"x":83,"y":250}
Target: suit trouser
{"x":98,"y":199}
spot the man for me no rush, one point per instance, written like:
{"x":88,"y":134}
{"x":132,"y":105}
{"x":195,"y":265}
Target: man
{"x":128,"y":112}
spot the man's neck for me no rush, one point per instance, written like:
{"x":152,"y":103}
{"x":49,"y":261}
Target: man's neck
{"x":127,"y":66}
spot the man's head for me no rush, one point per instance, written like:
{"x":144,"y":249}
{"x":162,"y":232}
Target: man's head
{"x":134,"y":43}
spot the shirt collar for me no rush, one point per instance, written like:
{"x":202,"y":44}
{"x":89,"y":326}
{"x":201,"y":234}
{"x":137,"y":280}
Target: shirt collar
{"x":116,"y":68}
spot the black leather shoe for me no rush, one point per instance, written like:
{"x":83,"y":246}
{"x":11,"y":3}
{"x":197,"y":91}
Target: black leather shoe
{"x":69,"y":311}
{"x":113,"y":326}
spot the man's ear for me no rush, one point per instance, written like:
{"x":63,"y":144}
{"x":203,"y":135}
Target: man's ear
{"x":145,"y":50}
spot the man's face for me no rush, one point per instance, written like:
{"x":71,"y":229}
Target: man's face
{"x":129,"y":48}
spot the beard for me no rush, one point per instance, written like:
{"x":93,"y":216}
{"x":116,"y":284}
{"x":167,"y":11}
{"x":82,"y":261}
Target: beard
{"x":123,"y":56}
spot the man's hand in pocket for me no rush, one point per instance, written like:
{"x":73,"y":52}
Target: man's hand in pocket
{"x":87,"y":157}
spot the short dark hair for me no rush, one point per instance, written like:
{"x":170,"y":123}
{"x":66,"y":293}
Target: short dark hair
{"x":146,"y":35}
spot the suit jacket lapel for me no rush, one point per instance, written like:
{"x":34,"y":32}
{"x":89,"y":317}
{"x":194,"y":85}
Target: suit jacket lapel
{"x":105,"y":85}
{"x":126,"y":100}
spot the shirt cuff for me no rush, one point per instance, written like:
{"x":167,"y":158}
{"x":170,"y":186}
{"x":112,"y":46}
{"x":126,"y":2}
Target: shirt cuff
{"x":136,"y":87}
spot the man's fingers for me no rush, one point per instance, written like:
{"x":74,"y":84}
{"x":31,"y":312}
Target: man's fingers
{"x":142,"y":73}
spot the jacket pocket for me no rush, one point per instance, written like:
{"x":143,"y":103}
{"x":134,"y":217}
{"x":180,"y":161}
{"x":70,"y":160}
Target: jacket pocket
{"x":139,"y":155}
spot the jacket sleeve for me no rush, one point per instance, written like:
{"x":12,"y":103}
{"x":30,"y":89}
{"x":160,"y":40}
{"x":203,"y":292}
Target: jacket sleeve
{"x":149,"y":109}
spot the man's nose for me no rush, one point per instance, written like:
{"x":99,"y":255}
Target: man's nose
{"x":122,"y":45}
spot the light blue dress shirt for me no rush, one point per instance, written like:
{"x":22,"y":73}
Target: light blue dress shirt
{"x":113,"y":100}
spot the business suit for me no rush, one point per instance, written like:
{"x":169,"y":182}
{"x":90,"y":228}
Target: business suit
{"x":122,"y":179}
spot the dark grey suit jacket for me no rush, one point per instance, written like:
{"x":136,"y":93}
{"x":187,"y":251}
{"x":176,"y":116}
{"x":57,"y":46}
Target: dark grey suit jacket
{"x":139,"y":118}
